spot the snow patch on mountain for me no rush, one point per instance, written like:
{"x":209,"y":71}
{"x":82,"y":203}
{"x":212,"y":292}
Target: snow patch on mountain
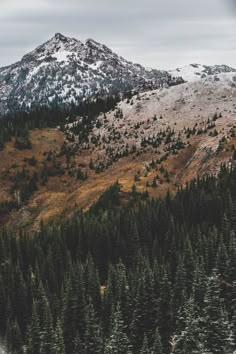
{"x":177,"y":107}
{"x":195,"y":72}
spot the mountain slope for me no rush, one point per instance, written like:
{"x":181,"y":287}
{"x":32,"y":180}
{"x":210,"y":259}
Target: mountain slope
{"x":65,"y":70}
{"x":157,"y":140}
{"x":156,"y":120}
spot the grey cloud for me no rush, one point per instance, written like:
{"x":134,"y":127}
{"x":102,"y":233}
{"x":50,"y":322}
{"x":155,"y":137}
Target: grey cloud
{"x":232,"y":4}
{"x":158,"y":33}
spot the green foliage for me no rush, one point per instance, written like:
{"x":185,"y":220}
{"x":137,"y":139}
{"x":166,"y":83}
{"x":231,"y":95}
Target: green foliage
{"x":81,"y":175}
{"x":108,"y":199}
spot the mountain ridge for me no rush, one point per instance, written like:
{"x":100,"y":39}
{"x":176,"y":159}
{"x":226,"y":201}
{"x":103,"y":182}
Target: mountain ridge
{"x":66,"y":70}
{"x":194,"y":72}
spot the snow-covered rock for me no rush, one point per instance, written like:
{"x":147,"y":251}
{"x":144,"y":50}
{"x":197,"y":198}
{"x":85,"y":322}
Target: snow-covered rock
{"x":195,"y":72}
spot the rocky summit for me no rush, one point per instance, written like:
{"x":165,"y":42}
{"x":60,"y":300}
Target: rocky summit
{"x":66,"y":70}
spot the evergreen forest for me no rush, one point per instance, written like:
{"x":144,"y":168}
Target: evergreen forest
{"x":156,"y":276}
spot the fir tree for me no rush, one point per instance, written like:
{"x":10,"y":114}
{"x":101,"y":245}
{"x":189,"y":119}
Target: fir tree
{"x":157,"y":345}
{"x":215,"y":325}
{"x":118,"y":342}
{"x":78,"y":345}
{"x":34,"y":337}
{"x":16,"y":345}
{"x":189,"y":338}
{"x":48,"y":336}
{"x":93,"y":335}
{"x":60,"y":346}
{"x":145,"y":347}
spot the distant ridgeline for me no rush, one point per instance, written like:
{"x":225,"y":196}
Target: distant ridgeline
{"x":159,"y":277}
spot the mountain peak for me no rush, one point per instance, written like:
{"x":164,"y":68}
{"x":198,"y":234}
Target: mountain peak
{"x":58,"y":43}
{"x":91,"y":41}
{"x":65,"y":70}
{"x":60,"y":36}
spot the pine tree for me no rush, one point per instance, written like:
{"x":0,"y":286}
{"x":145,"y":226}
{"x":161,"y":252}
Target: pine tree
{"x":74,"y":309}
{"x":199,"y":285}
{"x":137,"y":326}
{"x":180,"y":288}
{"x":48,"y":336}
{"x":2,"y":306}
{"x":16,"y":339}
{"x":109,"y":299}
{"x":157,"y":345}
{"x":8,"y":335}
{"x":215,"y":326}
{"x":222,"y":259}
{"x":21,"y":300}
{"x":78,"y":345}
{"x":232,"y":256}
{"x":233,"y":316}
{"x":34,"y":337}
{"x":92,"y":284}
{"x":145,"y":347}
{"x":189,"y":338}
{"x":118,"y":342}
{"x":60,"y":346}
{"x":165,"y":315}
{"x":93,"y":335}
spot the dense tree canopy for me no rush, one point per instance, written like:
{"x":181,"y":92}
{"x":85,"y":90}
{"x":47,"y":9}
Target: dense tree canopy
{"x":157,"y":277}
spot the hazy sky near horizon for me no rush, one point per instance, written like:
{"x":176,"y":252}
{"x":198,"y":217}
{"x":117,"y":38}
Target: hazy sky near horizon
{"x":158,"y":33}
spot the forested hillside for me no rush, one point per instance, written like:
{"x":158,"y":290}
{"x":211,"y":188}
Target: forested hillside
{"x":155,"y":277}
{"x":55,"y":161}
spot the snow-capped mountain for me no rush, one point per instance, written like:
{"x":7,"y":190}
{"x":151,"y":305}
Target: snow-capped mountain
{"x":195,"y":72}
{"x":66,"y":70}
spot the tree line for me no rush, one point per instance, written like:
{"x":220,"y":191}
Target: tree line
{"x":18,"y":124}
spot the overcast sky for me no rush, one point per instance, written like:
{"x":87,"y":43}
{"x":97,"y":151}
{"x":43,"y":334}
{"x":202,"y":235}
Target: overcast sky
{"x":157,"y":33}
